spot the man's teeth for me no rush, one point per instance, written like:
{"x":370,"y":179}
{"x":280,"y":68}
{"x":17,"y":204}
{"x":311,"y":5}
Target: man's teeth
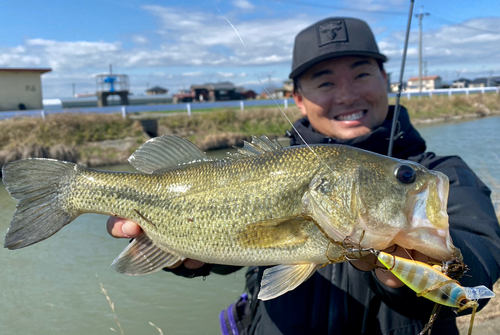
{"x":351,"y":117}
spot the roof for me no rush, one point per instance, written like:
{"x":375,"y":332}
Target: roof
{"x":480,"y":81}
{"x":156,"y":88}
{"x":462,"y":80}
{"x":224,"y":85}
{"x":14,"y":69}
{"x":424,"y":78}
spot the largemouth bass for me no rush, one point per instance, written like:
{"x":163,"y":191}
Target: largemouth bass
{"x":265,"y":205}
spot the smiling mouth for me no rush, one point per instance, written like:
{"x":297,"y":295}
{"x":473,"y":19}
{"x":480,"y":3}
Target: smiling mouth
{"x":351,"y":116}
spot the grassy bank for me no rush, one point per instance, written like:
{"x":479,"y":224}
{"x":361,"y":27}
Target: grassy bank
{"x":108,"y":139}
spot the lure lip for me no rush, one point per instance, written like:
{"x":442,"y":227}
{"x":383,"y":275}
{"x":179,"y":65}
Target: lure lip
{"x":478,"y":292}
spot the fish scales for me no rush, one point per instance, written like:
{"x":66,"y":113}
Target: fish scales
{"x":214,"y":200}
{"x":292,"y":208}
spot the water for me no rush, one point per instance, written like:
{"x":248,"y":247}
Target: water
{"x":52,"y":288}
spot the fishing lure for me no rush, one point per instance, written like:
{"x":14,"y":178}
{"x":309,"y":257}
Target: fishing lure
{"x":430,"y":283}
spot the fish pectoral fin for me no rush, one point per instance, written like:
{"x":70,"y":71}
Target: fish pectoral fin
{"x":283,"y":278}
{"x":142,"y":257}
{"x":275,"y":232}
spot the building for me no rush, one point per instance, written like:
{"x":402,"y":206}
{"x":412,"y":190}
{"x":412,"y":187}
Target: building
{"x":215,"y":92}
{"x":394,"y":87}
{"x":21,"y":88}
{"x":428,"y":83}
{"x":285,"y":92}
{"x":156,"y":90}
{"x":485,"y":82}
{"x":461,"y":83}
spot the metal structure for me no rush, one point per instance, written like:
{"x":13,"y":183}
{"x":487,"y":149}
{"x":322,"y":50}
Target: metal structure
{"x":112,"y":84}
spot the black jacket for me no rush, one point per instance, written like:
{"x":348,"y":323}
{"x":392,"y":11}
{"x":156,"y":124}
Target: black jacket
{"x":339,"y":299}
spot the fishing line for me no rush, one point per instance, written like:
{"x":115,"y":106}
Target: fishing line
{"x":281,"y":110}
{"x":400,"y":83}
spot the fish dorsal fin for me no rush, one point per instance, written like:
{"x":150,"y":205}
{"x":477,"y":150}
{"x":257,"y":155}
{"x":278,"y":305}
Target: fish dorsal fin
{"x":166,"y":153}
{"x":142,"y":257}
{"x":275,"y":233}
{"x":283,"y":278}
{"x":258,"y":146}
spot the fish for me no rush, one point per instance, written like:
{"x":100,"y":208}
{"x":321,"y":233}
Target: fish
{"x":288,"y":208}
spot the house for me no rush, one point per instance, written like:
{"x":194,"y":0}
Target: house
{"x":395,"y":86}
{"x":428,"y":83}
{"x":21,"y":88}
{"x":285,"y":92}
{"x":156,"y":90}
{"x":461,"y":83}
{"x":485,"y":82}
{"x":246,"y":94}
{"x":215,"y":91}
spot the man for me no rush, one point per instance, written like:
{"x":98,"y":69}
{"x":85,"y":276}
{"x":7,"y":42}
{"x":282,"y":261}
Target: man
{"x":340,"y":88}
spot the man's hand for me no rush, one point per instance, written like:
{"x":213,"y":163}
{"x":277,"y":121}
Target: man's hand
{"x":384,"y":275}
{"x":123,"y":228}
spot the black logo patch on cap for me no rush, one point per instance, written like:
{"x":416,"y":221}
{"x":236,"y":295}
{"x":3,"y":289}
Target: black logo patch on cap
{"x":331,"y":31}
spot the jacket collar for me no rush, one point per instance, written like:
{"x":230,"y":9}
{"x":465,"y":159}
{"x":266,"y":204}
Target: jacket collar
{"x":407,"y":141}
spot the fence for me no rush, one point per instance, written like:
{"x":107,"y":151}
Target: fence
{"x":190,"y":107}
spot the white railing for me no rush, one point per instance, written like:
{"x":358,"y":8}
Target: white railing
{"x":447,"y":91}
{"x":193,"y":106}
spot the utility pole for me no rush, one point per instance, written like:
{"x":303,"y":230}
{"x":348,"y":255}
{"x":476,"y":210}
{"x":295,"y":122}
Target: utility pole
{"x":420,"y":17}
{"x":73,"y":89}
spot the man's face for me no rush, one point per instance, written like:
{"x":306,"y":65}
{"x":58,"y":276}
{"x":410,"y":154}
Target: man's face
{"x":343,"y":97}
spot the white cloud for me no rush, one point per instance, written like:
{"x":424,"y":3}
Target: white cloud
{"x":226,"y":74}
{"x":472,"y":44}
{"x":192,"y":74}
{"x":139,"y":39}
{"x":203,"y":47}
{"x":243,"y":4}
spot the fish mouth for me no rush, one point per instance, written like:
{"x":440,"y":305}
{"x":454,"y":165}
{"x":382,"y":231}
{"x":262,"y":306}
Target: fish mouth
{"x":429,"y":228}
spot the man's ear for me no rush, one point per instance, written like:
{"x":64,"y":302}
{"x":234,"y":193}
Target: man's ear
{"x":384,"y":75}
{"x":299,"y":102}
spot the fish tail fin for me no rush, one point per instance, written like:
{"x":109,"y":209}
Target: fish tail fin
{"x":40,"y":213}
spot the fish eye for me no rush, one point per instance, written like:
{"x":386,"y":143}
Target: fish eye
{"x":405,"y":174}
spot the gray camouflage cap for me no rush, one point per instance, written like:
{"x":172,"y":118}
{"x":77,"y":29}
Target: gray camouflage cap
{"x":333,"y":37}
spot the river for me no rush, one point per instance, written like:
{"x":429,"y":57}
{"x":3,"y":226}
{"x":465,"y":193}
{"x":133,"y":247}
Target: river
{"x":53,"y":287}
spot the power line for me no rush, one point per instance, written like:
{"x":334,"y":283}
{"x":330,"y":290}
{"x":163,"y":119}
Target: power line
{"x":310,"y":4}
{"x":466,"y":25}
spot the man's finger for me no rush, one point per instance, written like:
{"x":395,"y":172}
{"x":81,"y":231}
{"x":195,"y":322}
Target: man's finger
{"x":122,"y":228}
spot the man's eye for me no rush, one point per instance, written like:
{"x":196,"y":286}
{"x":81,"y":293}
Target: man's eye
{"x":326,"y":84}
{"x":362,"y":75}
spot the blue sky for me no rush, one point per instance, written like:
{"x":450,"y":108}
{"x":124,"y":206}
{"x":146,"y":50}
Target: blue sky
{"x":178,"y":43}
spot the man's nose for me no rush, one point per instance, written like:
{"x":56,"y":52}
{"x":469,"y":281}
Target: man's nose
{"x":346,"y":93}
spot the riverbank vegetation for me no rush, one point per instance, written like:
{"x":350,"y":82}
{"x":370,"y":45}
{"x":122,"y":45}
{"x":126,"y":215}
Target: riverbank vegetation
{"x":103,"y":139}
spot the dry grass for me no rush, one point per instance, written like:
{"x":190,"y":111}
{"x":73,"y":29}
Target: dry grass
{"x":225,"y":128}
{"x":82,"y":135}
{"x":111,"y":305}
{"x":444,"y":106}
{"x":70,"y":137}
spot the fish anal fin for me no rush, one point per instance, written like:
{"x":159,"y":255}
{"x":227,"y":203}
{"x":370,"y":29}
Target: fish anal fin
{"x":283,"y":278}
{"x":275,"y":232}
{"x":142,"y":257}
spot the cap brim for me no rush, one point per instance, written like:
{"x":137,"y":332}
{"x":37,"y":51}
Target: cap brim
{"x":303,"y":67}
